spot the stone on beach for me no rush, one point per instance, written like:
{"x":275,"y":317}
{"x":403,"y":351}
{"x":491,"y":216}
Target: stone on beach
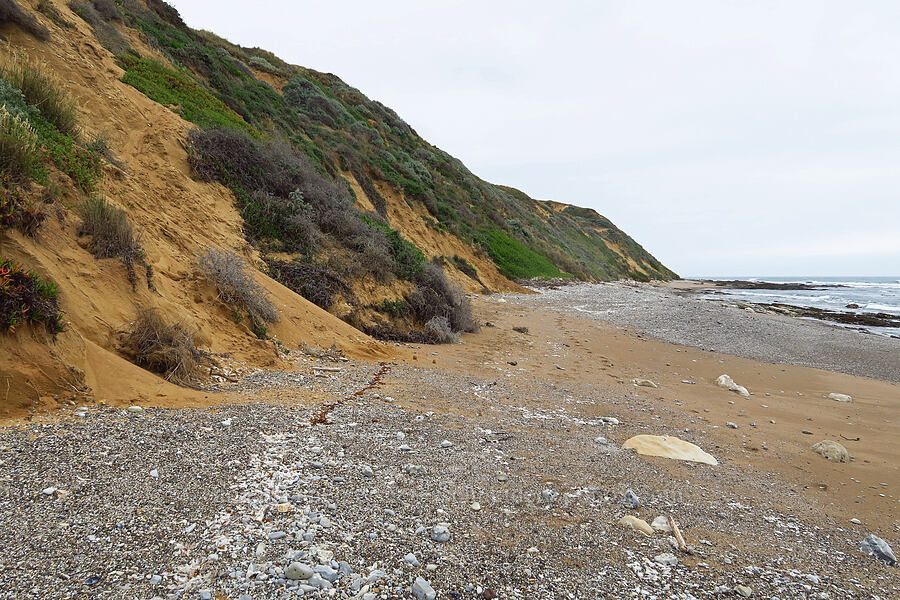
{"x":877,"y":547}
{"x":667,"y":446}
{"x":832,"y":450}
{"x":422,"y":590}
{"x":840,"y":397}
{"x":636,"y":524}
{"x":726,"y":382}
{"x":661,"y":523}
{"x":644,"y":383}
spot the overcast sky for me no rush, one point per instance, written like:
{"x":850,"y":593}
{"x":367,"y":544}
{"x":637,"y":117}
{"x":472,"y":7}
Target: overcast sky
{"x":727,"y":137}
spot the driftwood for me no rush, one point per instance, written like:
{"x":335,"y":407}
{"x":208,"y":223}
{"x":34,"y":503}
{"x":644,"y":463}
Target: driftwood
{"x":677,"y":533}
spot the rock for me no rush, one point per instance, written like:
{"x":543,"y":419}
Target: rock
{"x":533,"y":550}
{"x":475,"y":506}
{"x":549,"y":495}
{"x":644,"y":383}
{"x":411,"y":559}
{"x":840,"y":397}
{"x":366,"y":471}
{"x":414,"y":470}
{"x":724,"y":381}
{"x":317,"y":581}
{"x":155,"y":580}
{"x":609,"y":420}
{"x":404,"y":448}
{"x":135,"y":409}
{"x":856,"y":521}
{"x":440,"y":533}
{"x":731,"y":425}
{"x":877,"y":547}
{"x":636,"y":524}
{"x":743,"y":590}
{"x":205,"y":595}
{"x":446,"y":444}
{"x":327,"y":573}
{"x":661,"y":523}
{"x":154,"y":473}
{"x":284,"y":507}
{"x":832,"y":451}
{"x":298,"y":570}
{"x":422,"y":590}
{"x":667,"y":446}
{"x":501,"y":476}
{"x":631,"y":499}
{"x":666,"y":558}
{"x":49,"y":491}
{"x":601,"y":440}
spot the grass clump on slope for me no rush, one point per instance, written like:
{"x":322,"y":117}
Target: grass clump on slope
{"x":516,"y":260}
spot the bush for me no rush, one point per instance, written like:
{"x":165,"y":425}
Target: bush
{"x":465,"y":266}
{"x":50,"y":11}
{"x":99,"y":14}
{"x":262,"y":64}
{"x":15,"y":212}
{"x":316,"y":283}
{"x":437,"y":296}
{"x":43,"y":92}
{"x":26,"y":298}
{"x":112,"y":235}
{"x":439,"y":332}
{"x":11,"y":12}
{"x":230,"y":275}
{"x":167,"y":349}
{"x":19,"y":157}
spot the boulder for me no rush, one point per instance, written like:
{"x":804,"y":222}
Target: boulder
{"x":636,"y":524}
{"x":667,"y":446}
{"x":832,"y":451}
{"x":724,"y":381}
{"x":840,"y":397}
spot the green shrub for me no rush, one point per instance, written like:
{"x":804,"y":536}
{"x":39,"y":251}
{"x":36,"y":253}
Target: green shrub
{"x":409,"y":261}
{"x":43,"y":92}
{"x":26,"y":298}
{"x":395,"y":308}
{"x":516,"y":260}
{"x":11,"y":12}
{"x":264,"y":65}
{"x":19,"y":157}
{"x":465,"y":266}
{"x":161,"y":347}
{"x":173,"y":88}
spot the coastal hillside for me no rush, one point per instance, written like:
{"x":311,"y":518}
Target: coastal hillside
{"x":171,"y":203}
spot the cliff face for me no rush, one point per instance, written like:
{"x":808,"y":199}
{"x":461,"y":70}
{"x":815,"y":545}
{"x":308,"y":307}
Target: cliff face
{"x":200,"y":144}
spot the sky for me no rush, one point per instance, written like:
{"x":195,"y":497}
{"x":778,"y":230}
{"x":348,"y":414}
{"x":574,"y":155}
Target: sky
{"x":727,"y":137}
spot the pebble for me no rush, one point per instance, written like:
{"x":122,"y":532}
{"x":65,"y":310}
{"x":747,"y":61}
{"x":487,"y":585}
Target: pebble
{"x":631,"y":499}
{"x":731,"y":425}
{"x":548,"y":495}
{"x":404,"y":448}
{"x":743,"y":590}
{"x":446,"y":444}
{"x":422,"y":590}
{"x":154,"y":473}
{"x":475,"y":506}
{"x":440,"y":533}
{"x":205,"y":595}
{"x":667,"y":558}
{"x":411,"y":559}
{"x":856,"y":521}
{"x":877,"y":547}
{"x":501,"y":476}
{"x":298,"y":570}
{"x":366,"y":471}
{"x":601,"y":440}
{"x":155,"y":580}
{"x":135,"y":409}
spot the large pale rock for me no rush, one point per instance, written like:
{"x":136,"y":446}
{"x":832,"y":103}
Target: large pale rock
{"x":832,"y":451}
{"x":636,"y":524}
{"x":644,"y":383}
{"x":724,"y":381}
{"x":667,"y":446}
{"x":840,"y":397}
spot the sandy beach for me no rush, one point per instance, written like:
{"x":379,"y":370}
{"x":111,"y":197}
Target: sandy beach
{"x":494,"y":467}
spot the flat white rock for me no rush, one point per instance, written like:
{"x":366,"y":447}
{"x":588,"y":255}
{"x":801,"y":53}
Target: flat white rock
{"x":667,"y":446}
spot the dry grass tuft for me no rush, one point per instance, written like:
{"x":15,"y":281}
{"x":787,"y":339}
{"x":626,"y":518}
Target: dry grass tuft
{"x":167,"y":349}
{"x":230,"y":274}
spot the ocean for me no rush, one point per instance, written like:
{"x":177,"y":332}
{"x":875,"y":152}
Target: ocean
{"x":871,"y":294}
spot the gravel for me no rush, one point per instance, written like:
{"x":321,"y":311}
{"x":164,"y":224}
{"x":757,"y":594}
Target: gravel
{"x":242,"y":512}
{"x":721,"y":326}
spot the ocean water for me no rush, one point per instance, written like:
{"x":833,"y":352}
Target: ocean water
{"x":872,"y":294}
